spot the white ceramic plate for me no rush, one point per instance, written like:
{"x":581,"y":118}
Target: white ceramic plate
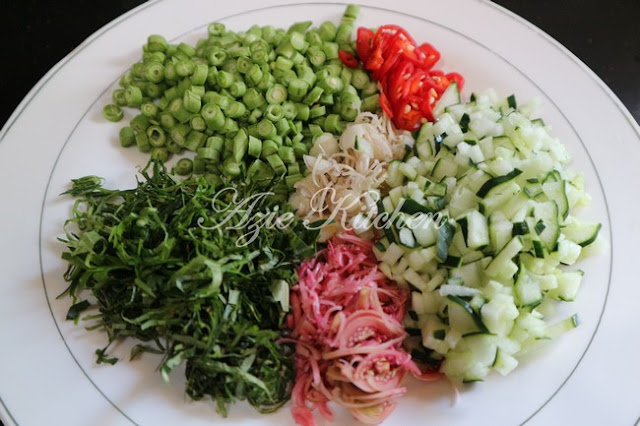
{"x":47,"y":371}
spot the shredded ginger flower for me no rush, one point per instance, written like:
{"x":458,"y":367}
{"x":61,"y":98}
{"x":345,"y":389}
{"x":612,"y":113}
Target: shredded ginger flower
{"x":347,"y":327}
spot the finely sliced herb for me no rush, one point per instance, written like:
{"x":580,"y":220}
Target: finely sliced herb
{"x":76,"y":308}
{"x":163,"y":267}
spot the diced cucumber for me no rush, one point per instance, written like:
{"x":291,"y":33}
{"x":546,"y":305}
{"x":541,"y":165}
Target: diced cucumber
{"x":435,"y":281}
{"x":557,"y":191}
{"x":436,"y":189}
{"x":444,"y":167}
{"x":496,"y":182}
{"x":574,"y":195}
{"x":432,"y":302}
{"x":499,"y":264}
{"x":487,"y":147}
{"x":457,"y":290}
{"x":582,"y":233}
{"x":563,"y":326}
{"x":443,"y":123}
{"x":568,"y":252}
{"x":547,"y":281}
{"x":483,"y":346}
{"x":445,"y":236}
{"x":424,"y":142}
{"x":547,"y":214}
{"x":387,"y":205}
{"x":406,"y":238}
{"x":484,"y":281}
{"x":414,"y":205}
{"x":471,"y":273}
{"x":395,"y":195}
{"x":394,"y":176}
{"x":528,"y":327}
{"x":461,"y":366}
{"x":393,"y":253}
{"x":453,"y":140}
{"x":425,"y":233}
{"x":504,"y":363}
{"x":500,"y":197}
{"x":499,"y":314}
{"x":568,"y":286}
{"x":526,"y":290}
{"x":472,"y":256}
{"x":462,"y":200}
{"x":416,"y":261}
{"x":463,"y":119}
{"x":413,"y":278}
{"x":451,"y":96}
{"x":400,"y":267}
{"x":475,"y":229}
{"x":503,"y":142}
{"x":386,"y":270}
{"x":408,"y":171}
{"x":361,"y":223}
{"x":457,"y":111}
{"x":500,"y":231}
{"x":462,"y":316}
{"x":474,"y":179}
{"x":545,"y":265}
{"x":431,"y":326}
{"x":517,"y":208}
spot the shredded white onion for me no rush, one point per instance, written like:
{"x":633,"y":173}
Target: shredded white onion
{"x":344,"y":175}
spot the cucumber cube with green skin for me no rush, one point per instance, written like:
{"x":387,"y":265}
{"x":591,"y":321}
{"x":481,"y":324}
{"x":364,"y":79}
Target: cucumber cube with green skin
{"x":484,"y":275}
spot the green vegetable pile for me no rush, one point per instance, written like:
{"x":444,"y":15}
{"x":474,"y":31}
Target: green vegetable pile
{"x":246,"y":103}
{"x":159,"y":270}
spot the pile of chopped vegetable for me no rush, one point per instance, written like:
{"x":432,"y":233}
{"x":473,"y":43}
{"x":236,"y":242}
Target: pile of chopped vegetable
{"x":487,"y":276}
{"x":344,"y":176}
{"x":244,"y":102}
{"x":346,"y":323}
{"x":409,"y":85}
{"x":160,"y":270}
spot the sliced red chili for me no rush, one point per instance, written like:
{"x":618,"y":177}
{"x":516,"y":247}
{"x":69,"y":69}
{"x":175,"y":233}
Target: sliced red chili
{"x":415,"y":84}
{"x":441,"y":82}
{"x":395,"y":29}
{"x":348,"y":59}
{"x":407,"y":117}
{"x":431,"y":54}
{"x":454,"y":76}
{"x":389,"y":64}
{"x":386,"y":107}
{"x":364,"y":43}
{"x":375,"y":61}
{"x":428,"y":102}
{"x":398,"y":76}
{"x":409,"y":85}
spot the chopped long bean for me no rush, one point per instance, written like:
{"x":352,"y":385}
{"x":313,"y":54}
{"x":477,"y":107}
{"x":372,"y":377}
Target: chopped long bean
{"x":127,"y":137}
{"x":183,"y":167}
{"x":156,"y":136}
{"x":276,"y":87}
{"x":112,"y":112}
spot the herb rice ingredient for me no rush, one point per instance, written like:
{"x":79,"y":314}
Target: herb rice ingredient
{"x":160,"y":271}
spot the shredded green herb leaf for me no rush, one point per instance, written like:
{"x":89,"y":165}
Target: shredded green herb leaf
{"x":162,"y":270}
